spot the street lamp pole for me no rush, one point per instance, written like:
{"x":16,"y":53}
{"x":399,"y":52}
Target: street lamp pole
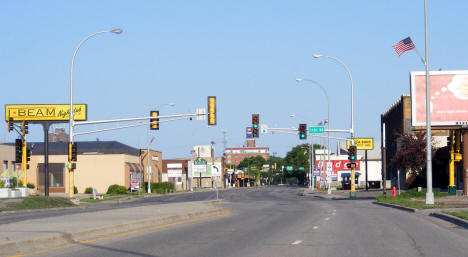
{"x":328,"y":126}
{"x":351,"y":131}
{"x":115,"y":31}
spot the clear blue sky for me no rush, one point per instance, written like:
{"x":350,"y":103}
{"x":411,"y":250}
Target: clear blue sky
{"x":247,"y":53}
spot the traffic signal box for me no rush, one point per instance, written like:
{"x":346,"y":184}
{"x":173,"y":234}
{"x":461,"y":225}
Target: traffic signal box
{"x":25,"y":128}
{"x":18,"y":151}
{"x":255,"y":122}
{"x":302,"y":131}
{"x":211,"y":110}
{"x":72,"y":152}
{"x":154,"y":122}
{"x":10,"y":124}
{"x":352,"y":153}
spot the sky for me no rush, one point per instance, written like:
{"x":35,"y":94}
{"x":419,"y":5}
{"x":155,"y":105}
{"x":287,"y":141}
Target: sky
{"x":246,"y":53}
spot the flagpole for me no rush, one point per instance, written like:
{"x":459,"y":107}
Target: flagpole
{"x":429,"y":193}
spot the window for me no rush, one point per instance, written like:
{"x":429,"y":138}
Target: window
{"x":5,"y":165}
{"x":55,"y":174}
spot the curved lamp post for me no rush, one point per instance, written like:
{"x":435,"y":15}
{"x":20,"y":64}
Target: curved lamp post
{"x":299,"y":80}
{"x":352,"y":89}
{"x":115,"y":31}
{"x":351,"y":131}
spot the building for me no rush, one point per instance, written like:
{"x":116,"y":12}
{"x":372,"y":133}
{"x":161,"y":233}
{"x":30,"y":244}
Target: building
{"x":156,"y":164}
{"x":59,"y":135}
{"x":8,"y":166}
{"x":176,"y":172}
{"x":234,"y":155}
{"x":205,"y":170}
{"x":99,"y":165}
{"x":396,"y":121}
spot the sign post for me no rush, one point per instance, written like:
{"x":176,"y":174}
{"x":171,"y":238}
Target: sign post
{"x":46,"y":114}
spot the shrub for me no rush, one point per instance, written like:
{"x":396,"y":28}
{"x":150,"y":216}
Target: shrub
{"x":75,"y":190}
{"x":116,"y":189}
{"x":14,"y":182}
{"x":2,"y":183}
{"x":30,"y":185}
{"x":160,"y":188}
{"x":88,"y":190}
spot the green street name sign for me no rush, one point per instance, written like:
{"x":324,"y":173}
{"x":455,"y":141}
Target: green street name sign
{"x":316,"y":130}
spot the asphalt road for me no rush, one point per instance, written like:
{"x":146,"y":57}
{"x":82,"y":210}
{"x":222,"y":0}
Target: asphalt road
{"x":277,"y":221}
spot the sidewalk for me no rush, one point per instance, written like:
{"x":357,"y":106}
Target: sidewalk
{"x":42,"y":233}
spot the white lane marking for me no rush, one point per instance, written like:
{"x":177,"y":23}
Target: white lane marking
{"x":327,"y":218}
{"x":315,"y":227}
{"x":334,"y":210}
{"x":297,"y":242}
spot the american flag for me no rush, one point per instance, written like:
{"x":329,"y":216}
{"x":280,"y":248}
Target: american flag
{"x":403,"y":46}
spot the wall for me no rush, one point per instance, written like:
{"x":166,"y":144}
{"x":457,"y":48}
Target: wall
{"x":94,"y":170}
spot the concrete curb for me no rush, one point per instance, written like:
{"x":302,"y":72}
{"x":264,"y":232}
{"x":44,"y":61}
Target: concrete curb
{"x":449,"y":218}
{"x":36,"y":244}
{"x":402,"y":208}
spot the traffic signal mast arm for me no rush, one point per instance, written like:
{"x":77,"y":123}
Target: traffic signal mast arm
{"x":128,"y":126}
{"x":181,"y":116}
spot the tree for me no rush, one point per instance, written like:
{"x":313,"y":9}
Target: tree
{"x":411,"y":155}
{"x":298,"y":158}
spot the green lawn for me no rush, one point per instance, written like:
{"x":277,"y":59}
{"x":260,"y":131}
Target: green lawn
{"x":38,"y":202}
{"x":108,"y":197}
{"x":407,"y":199}
{"x":459,"y":214}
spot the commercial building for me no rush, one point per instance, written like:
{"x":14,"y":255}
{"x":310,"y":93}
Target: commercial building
{"x":176,"y":172}
{"x":397,"y":121}
{"x":99,"y":165}
{"x":234,"y":155}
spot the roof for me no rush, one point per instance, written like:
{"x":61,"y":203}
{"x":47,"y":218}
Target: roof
{"x":84,"y":147}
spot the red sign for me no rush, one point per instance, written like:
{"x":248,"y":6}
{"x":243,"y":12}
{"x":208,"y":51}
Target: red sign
{"x":135,"y":185}
{"x":337,"y":165}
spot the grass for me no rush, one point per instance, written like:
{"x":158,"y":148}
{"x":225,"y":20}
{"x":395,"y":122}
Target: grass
{"x":459,"y":214}
{"x":108,"y":197}
{"x":38,"y":202}
{"x":407,"y":199}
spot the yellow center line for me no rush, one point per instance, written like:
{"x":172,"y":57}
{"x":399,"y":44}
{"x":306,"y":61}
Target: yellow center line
{"x":84,"y":242}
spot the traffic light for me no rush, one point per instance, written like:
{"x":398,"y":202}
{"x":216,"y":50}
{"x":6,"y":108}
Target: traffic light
{"x":25,"y":128}
{"x":18,"y":151}
{"x":28,"y":154}
{"x":154,"y":122}
{"x":255,"y":122}
{"x":10,"y":124}
{"x":211,"y":110}
{"x":302,"y":131}
{"x":72,"y":152}
{"x":352,"y":153}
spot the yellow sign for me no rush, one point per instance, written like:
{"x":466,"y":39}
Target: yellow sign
{"x":362,"y":143}
{"x":44,"y":112}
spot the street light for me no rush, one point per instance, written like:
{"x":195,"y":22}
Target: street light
{"x":115,"y":31}
{"x":352,"y":90}
{"x":351,"y":131}
{"x":299,"y":80}
{"x":148,"y":155}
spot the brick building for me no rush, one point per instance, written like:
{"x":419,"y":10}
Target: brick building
{"x":234,"y":155}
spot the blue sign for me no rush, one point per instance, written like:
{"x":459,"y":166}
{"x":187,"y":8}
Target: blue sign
{"x":248,"y":132}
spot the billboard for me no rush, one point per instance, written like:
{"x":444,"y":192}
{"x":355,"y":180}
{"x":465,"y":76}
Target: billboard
{"x":448,"y":99}
{"x":44,"y":112}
